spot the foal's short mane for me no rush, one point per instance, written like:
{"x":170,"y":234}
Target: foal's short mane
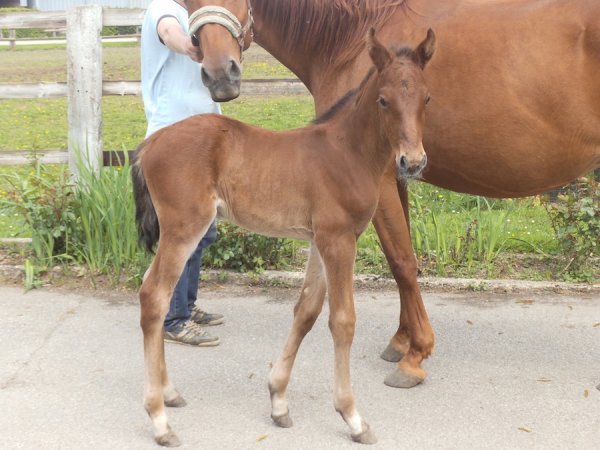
{"x":334,"y":29}
{"x":404,"y":52}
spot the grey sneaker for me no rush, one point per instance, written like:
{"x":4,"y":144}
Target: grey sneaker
{"x":191,"y":334}
{"x":203,"y":318}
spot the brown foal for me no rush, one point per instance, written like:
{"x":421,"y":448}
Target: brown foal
{"x":319,"y":183}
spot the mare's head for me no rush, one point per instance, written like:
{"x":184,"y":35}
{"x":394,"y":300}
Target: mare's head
{"x":402,"y":99}
{"x":223,"y":30}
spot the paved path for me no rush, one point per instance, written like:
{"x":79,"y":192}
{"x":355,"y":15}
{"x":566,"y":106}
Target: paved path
{"x":510,"y":372}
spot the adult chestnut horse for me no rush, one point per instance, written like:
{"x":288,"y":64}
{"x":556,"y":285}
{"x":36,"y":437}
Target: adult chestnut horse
{"x":224,"y":29}
{"x":515,"y":105}
{"x":319,"y":183}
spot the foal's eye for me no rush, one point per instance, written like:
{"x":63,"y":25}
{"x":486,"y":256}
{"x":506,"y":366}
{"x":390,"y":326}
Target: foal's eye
{"x":382,"y":102}
{"x":427,"y":99}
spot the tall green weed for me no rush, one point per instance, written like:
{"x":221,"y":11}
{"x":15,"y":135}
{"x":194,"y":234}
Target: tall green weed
{"x":89,"y":222}
{"x":44,"y":201}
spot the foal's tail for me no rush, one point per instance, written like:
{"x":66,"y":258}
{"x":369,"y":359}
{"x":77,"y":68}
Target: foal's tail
{"x":145,"y":214}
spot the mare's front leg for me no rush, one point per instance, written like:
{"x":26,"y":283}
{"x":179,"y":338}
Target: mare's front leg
{"x":306,"y":312}
{"x":414,"y":340}
{"x":338,"y":253}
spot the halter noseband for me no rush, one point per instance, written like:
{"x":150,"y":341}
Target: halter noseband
{"x":223,"y":17}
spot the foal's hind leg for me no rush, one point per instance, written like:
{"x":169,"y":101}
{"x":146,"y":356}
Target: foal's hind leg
{"x":414,"y":340}
{"x":306,"y":312}
{"x":338,"y":255}
{"x":176,"y":245}
{"x":171,"y":396}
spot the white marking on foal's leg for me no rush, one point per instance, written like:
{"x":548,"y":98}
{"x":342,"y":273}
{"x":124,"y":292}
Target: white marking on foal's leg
{"x":280,"y":412}
{"x":161,"y":425}
{"x":279,"y":405}
{"x":355,"y":422}
{"x":359,"y":429}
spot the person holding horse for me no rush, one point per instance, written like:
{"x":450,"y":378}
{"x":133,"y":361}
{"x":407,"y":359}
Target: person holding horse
{"x":172,"y":91}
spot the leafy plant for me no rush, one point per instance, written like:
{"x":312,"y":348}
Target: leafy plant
{"x":575,"y":217}
{"x":45,"y":203}
{"x":244,"y":251}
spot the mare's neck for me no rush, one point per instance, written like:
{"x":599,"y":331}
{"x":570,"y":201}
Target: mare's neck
{"x":265,"y":35}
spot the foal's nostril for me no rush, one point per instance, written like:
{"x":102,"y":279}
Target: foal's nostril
{"x":404,"y":163}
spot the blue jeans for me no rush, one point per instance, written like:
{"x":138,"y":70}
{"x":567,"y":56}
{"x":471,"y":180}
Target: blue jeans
{"x":186,"y":289}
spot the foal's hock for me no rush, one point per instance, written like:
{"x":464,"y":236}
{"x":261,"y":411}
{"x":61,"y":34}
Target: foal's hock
{"x":318,"y":183}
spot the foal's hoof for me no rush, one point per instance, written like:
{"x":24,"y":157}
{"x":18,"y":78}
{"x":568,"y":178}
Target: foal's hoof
{"x":401,"y":379}
{"x":391,"y":354}
{"x":169,"y":439}
{"x":284,"y":421}
{"x":177,"y":402}
{"x":366,"y":437}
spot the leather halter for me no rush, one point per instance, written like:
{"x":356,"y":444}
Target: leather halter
{"x":222,"y":16}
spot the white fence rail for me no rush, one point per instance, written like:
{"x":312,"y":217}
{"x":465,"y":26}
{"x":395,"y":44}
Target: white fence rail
{"x":85,"y":87}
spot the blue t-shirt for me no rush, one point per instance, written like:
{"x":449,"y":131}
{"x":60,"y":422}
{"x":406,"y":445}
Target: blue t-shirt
{"x":172,"y":86}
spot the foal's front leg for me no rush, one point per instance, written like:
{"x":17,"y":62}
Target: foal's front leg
{"x":306,"y":312}
{"x":338,"y":254}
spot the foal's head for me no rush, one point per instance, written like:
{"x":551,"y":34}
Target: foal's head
{"x":223,"y":29}
{"x":402,"y":99}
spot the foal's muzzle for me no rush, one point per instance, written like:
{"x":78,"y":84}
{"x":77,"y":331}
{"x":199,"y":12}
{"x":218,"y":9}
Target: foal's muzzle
{"x":407,"y":168}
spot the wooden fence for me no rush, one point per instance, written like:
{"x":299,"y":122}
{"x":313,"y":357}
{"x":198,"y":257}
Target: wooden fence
{"x":85,"y":86}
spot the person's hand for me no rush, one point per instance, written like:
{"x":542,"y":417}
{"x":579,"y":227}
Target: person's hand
{"x":176,"y":39}
{"x":194,"y":52}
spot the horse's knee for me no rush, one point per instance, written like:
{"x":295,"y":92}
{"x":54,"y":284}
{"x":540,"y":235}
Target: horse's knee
{"x":342,"y":326}
{"x":152,"y":310}
{"x":404,"y":269}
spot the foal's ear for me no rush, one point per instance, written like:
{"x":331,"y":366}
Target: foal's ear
{"x":426,"y":49}
{"x":379,"y":54}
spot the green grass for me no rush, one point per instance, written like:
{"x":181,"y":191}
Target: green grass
{"x":32,"y":124}
{"x":454,"y":234}
{"x":29,"y":124}
{"x":275,"y":113}
{"x":527,"y":228}
{"x":47,"y":63}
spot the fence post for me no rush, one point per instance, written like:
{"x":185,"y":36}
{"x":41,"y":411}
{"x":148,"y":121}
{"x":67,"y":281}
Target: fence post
{"x":84,"y":79}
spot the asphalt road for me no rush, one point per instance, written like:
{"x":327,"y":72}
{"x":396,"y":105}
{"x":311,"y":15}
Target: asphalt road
{"x":510,"y":371}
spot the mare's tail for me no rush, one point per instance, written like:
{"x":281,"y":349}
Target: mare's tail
{"x":145,"y":214}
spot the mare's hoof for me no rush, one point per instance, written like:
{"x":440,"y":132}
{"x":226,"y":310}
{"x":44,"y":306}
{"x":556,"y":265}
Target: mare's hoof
{"x":169,"y":439}
{"x":366,"y":437}
{"x":177,"y":402}
{"x":401,"y":379}
{"x":284,"y":421}
{"x":391,"y":354}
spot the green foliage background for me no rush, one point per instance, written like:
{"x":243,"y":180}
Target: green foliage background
{"x":453,"y":234}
